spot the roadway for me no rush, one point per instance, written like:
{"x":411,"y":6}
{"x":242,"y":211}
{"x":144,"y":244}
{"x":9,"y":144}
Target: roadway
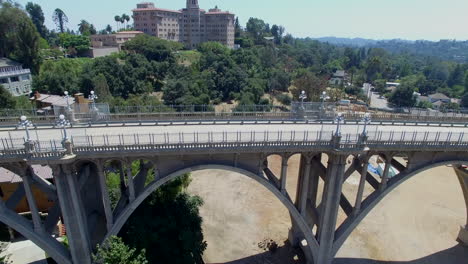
{"x":258,"y":129}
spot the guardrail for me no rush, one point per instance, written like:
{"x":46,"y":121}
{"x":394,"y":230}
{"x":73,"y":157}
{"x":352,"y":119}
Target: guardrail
{"x":173,"y":117}
{"x":235,"y":141}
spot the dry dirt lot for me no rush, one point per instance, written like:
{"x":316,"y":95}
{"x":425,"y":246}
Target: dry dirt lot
{"x":416,"y":224}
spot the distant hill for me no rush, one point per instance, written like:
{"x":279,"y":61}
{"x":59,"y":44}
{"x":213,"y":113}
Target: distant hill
{"x":357,"y":42}
{"x":450,"y":50}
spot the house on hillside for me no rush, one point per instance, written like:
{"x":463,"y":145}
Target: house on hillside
{"x":338,"y":78}
{"x":106,"y":44}
{"x":14,"y":78}
{"x":391,"y":86}
{"x":439,"y":97}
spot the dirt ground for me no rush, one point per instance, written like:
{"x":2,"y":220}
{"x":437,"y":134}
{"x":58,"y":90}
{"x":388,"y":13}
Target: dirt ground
{"x":417,"y":223}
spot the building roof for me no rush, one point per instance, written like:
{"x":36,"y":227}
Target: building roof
{"x":7,"y":176}
{"x":439,"y":96}
{"x":5,"y":62}
{"x":438,"y":103}
{"x":155,"y":9}
{"x":129,"y":32}
{"x":55,"y":100}
{"x":423,"y":98}
{"x":339,"y":73}
{"x":219,"y":13}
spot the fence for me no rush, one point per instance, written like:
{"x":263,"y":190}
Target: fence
{"x":84,"y":114}
{"x":231,"y":140}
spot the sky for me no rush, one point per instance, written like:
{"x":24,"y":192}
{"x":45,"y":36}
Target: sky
{"x":374,"y":19}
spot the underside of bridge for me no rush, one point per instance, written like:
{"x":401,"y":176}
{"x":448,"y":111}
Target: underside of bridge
{"x":81,"y":198}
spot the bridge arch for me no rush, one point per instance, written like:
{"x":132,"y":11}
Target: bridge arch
{"x":312,"y":244}
{"x":376,"y":197}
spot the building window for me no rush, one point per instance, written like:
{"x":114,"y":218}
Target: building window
{"x":25,"y":78}
{"x":3,"y":80}
{"x":14,"y":79}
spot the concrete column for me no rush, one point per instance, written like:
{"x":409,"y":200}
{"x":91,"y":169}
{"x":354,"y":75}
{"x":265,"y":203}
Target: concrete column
{"x":122,"y":179}
{"x":388,"y":164}
{"x":105,"y":196}
{"x":305,"y":187}
{"x":314,"y":181}
{"x":330,"y":207}
{"x":72,"y":212}
{"x":362,"y":183}
{"x":27,"y":182}
{"x":462,"y":175}
{"x":284,"y":174}
{"x":131,"y":186}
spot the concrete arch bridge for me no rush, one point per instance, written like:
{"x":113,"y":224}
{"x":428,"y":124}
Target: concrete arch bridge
{"x":82,"y":199}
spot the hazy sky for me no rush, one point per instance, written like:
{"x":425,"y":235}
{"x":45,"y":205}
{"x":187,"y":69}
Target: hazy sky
{"x":377,"y":19}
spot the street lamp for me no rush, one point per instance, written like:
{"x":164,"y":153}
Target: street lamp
{"x":339,"y":118}
{"x":63,"y":123}
{"x":302,"y":96}
{"x":93,"y":98}
{"x":367,"y":120}
{"x":25,"y":123}
{"x":67,"y":97}
{"x":323,"y":97}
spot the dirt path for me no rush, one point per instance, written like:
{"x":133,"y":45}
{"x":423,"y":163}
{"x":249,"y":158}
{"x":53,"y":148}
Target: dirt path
{"x":416,"y":224}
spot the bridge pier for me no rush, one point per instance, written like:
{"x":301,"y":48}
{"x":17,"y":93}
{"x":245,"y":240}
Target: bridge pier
{"x":330,"y":206}
{"x":68,"y":192}
{"x":463,"y":178}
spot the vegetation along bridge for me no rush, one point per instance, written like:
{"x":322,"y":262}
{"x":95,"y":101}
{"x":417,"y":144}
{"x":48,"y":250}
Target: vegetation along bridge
{"x":330,"y":153}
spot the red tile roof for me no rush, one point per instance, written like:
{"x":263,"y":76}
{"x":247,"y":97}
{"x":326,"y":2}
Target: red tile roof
{"x":155,"y":9}
{"x":219,"y":13}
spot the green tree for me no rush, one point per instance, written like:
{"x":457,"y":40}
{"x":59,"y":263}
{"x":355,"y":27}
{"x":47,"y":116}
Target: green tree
{"x":76,"y":45}
{"x":311,"y":84}
{"x":19,"y":39}
{"x":6,"y":99}
{"x":117,"y":21}
{"x":116,"y":252}
{"x":153,"y":48}
{"x":403,"y":96}
{"x":125,"y":18}
{"x":169,"y":223}
{"x":84,"y":27}
{"x":464,"y":100}
{"x":60,"y":19}
{"x":37,"y":17}
{"x":456,"y":77}
{"x":57,"y":76}
{"x":109,"y":29}
{"x":102,"y":88}
{"x":256,"y":27}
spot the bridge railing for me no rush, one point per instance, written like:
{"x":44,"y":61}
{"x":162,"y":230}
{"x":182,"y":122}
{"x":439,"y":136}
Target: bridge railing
{"x":226,"y":140}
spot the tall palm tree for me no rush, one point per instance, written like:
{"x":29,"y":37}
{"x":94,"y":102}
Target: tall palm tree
{"x":109,"y":29}
{"x":60,"y":19}
{"x":127,"y":19}
{"x":117,"y":19}
{"x":122,"y":20}
{"x":83,"y":27}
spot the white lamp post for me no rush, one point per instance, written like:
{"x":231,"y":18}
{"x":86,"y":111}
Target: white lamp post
{"x":93,"y":98}
{"x":367,"y":120}
{"x":302,"y":96}
{"x":63,"y":123}
{"x":339,"y":118}
{"x":25,"y":123}
{"x":67,"y":98}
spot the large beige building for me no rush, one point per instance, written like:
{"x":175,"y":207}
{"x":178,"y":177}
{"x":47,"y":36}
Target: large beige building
{"x":190,"y":25}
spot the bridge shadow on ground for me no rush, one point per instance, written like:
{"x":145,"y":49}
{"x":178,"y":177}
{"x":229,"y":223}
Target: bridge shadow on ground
{"x":287,"y":255}
{"x":280,"y":255}
{"x":455,"y":255}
